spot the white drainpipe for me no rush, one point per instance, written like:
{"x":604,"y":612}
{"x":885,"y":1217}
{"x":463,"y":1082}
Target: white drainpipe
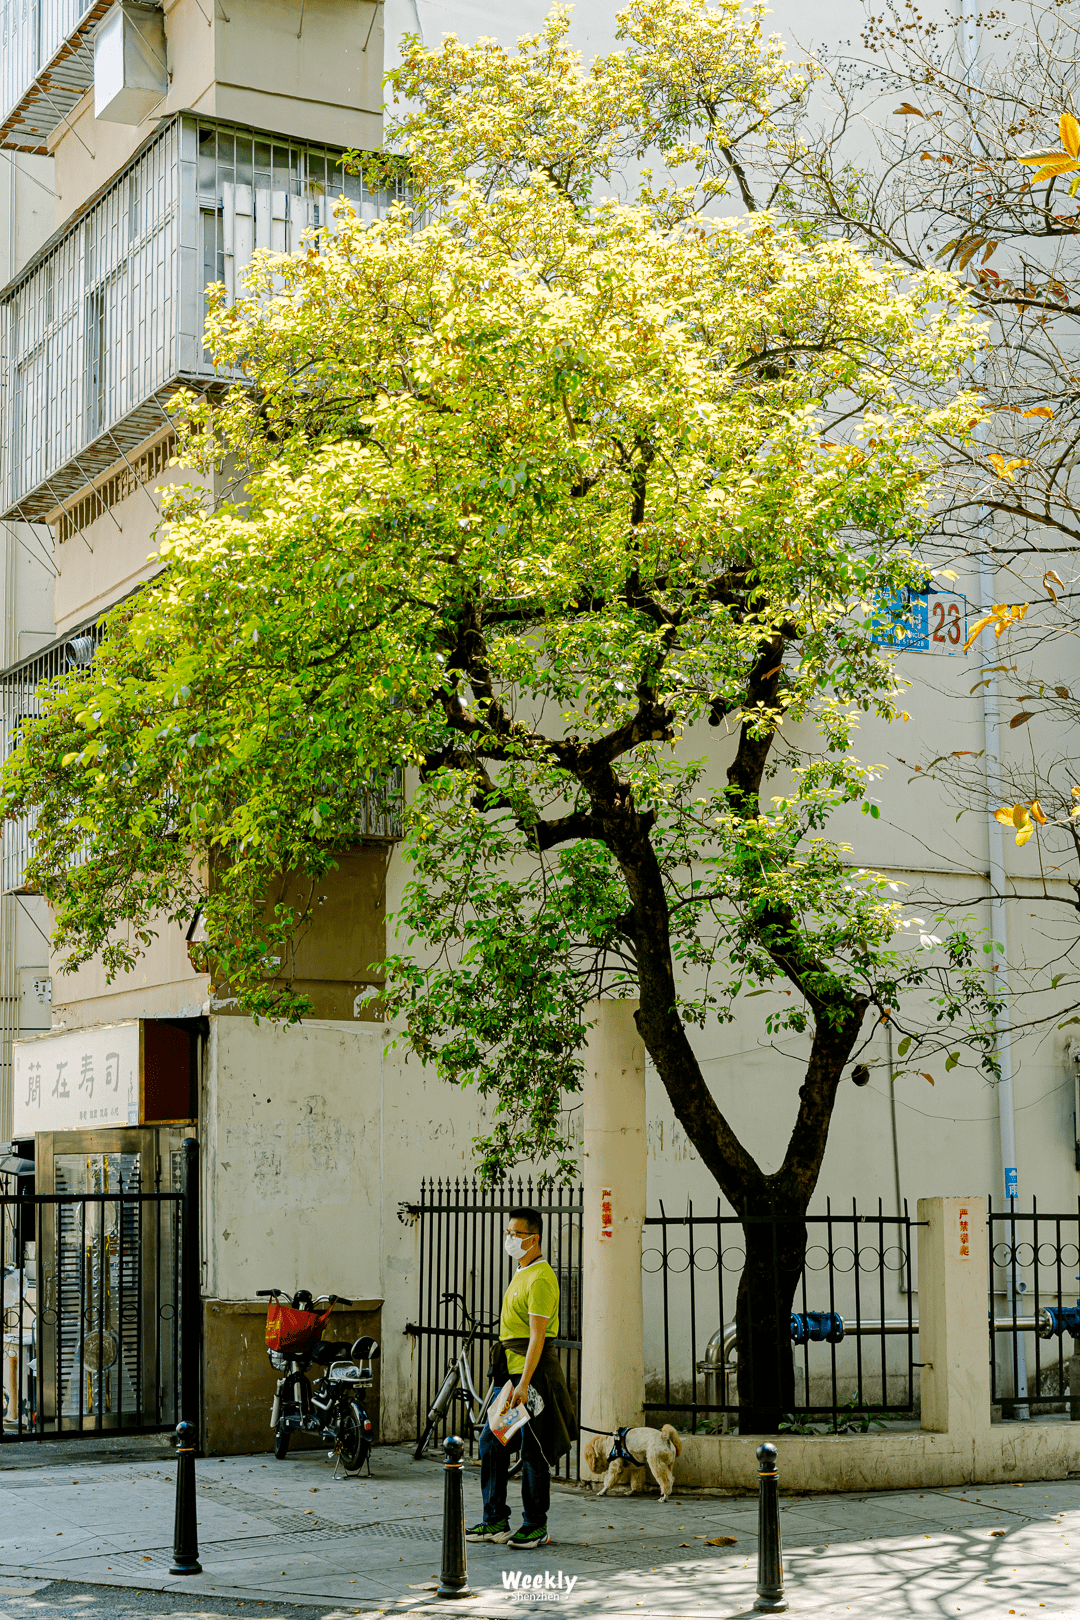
{"x":999,"y":927}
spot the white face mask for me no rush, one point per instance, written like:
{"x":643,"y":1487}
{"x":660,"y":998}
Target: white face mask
{"x":515,"y":1246}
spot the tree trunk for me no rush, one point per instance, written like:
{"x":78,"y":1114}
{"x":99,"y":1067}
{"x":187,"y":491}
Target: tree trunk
{"x":775,"y":1235}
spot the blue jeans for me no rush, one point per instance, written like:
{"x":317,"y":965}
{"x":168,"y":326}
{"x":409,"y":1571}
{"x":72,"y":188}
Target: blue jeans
{"x":535,"y":1480}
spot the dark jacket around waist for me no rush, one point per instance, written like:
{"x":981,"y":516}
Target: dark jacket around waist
{"x":555,"y":1427}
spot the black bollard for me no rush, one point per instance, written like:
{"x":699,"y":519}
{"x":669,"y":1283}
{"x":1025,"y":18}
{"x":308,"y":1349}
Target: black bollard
{"x":770,"y":1556}
{"x":186,"y":1530}
{"x":454,"y":1581}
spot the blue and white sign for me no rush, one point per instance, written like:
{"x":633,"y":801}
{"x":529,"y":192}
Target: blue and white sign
{"x":1011,"y":1181}
{"x":929,"y":622}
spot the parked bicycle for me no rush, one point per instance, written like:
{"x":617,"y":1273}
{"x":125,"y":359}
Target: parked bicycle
{"x":459,"y":1381}
{"x":333,"y":1408}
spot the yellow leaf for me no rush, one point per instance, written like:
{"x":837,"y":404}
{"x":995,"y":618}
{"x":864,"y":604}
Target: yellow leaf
{"x":1024,"y":834}
{"x":927,"y":1076}
{"x":909,"y":111}
{"x":1042,"y":155}
{"x":1069,"y":130}
{"x":1004,"y":815}
{"x":1007,"y":469}
{"x":1075,"y":792}
{"x":1037,"y":812}
{"x":1038,"y":410}
{"x":1052,"y":573}
{"x":977,"y":629}
{"x":1020,"y":816}
{"x":1051,"y":170}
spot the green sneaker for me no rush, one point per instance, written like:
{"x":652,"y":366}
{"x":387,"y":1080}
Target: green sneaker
{"x":529,"y":1538}
{"x":489,"y":1532}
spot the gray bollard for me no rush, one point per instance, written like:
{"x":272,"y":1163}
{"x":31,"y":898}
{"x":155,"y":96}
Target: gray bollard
{"x":770,"y":1556}
{"x":454,"y":1578}
{"x":186,"y":1529}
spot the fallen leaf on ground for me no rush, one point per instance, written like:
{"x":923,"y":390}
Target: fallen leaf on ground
{"x":719,"y":1541}
{"x":998,"y":1533}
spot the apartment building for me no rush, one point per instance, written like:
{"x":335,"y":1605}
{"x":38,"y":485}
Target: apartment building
{"x":149,"y":150}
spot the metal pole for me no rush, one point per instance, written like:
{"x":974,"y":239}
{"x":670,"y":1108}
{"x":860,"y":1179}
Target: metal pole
{"x":190,"y":1286}
{"x":770,"y":1556}
{"x":454,"y":1580}
{"x":186,"y":1529}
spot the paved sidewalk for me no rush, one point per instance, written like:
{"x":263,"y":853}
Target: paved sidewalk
{"x":273,"y":1534}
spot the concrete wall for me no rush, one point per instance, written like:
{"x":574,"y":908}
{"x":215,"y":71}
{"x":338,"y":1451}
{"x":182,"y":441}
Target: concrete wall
{"x":27,"y":212}
{"x":310,"y":1137}
{"x":103,"y":562}
{"x":161,"y":984}
{"x":238,"y":1380}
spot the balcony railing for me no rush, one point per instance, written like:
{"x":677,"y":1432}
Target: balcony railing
{"x":46,"y":65}
{"x":98,"y":329}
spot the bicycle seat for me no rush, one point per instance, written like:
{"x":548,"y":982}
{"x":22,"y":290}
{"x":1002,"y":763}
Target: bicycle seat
{"x":330,"y":1350}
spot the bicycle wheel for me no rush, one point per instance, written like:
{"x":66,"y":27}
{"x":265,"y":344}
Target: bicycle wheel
{"x":353,"y":1441}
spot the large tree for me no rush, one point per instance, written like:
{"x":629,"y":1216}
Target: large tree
{"x":588,"y":514}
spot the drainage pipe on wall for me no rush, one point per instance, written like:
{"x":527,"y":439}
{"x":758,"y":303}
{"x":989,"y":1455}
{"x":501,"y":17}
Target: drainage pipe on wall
{"x":999,"y":928}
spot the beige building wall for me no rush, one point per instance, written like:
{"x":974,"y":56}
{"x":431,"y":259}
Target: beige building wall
{"x":318,"y":79}
{"x":106,"y":559}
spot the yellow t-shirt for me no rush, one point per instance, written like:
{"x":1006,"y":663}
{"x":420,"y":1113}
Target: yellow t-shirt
{"x":533,"y":1291}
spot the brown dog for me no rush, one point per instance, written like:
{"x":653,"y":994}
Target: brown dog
{"x":656,"y":1448}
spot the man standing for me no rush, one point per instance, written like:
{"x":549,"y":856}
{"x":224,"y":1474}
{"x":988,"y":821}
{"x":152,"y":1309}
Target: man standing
{"x":528,"y":1324}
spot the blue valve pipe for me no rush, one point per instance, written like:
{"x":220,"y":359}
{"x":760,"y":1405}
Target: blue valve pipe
{"x":818,"y":1327}
{"x":1054,"y":1320}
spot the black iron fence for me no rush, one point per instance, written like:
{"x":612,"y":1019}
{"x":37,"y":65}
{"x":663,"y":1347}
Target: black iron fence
{"x":462,"y":1227}
{"x":100,"y":1310}
{"x":852,"y":1327}
{"x":1034,"y":1289}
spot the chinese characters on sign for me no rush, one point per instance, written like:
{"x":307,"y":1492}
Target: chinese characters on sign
{"x":930,"y":622}
{"x":965,"y":1245}
{"x":80,"y":1079}
{"x":607,"y":1213}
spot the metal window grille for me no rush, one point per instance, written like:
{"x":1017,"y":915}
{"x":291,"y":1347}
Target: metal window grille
{"x":97,"y":330}
{"x":853,"y":1267}
{"x":9,"y":1011}
{"x":462,"y":1226}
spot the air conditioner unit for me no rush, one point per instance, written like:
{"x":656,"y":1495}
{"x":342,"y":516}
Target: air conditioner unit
{"x":130,"y":74}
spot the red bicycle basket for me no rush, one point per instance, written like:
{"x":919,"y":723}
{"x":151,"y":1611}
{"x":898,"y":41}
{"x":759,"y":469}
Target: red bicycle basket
{"x":287,"y":1329}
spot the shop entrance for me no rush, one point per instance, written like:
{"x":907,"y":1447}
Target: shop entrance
{"x":100,"y":1325}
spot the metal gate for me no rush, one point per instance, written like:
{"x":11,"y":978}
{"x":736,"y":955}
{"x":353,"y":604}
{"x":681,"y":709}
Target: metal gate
{"x":100,"y":1302}
{"x":462,"y":1226}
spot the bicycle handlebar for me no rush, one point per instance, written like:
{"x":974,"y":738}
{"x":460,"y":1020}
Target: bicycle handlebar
{"x":471,"y":1321}
{"x":275,"y":1293}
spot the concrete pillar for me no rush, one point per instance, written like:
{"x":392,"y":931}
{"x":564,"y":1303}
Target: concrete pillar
{"x":953,"y":1322}
{"x":615,"y":1162}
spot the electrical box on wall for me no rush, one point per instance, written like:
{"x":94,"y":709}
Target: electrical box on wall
{"x":130,"y":75}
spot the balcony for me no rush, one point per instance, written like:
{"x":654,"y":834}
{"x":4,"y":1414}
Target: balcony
{"x":46,"y":65}
{"x":104,"y":322}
